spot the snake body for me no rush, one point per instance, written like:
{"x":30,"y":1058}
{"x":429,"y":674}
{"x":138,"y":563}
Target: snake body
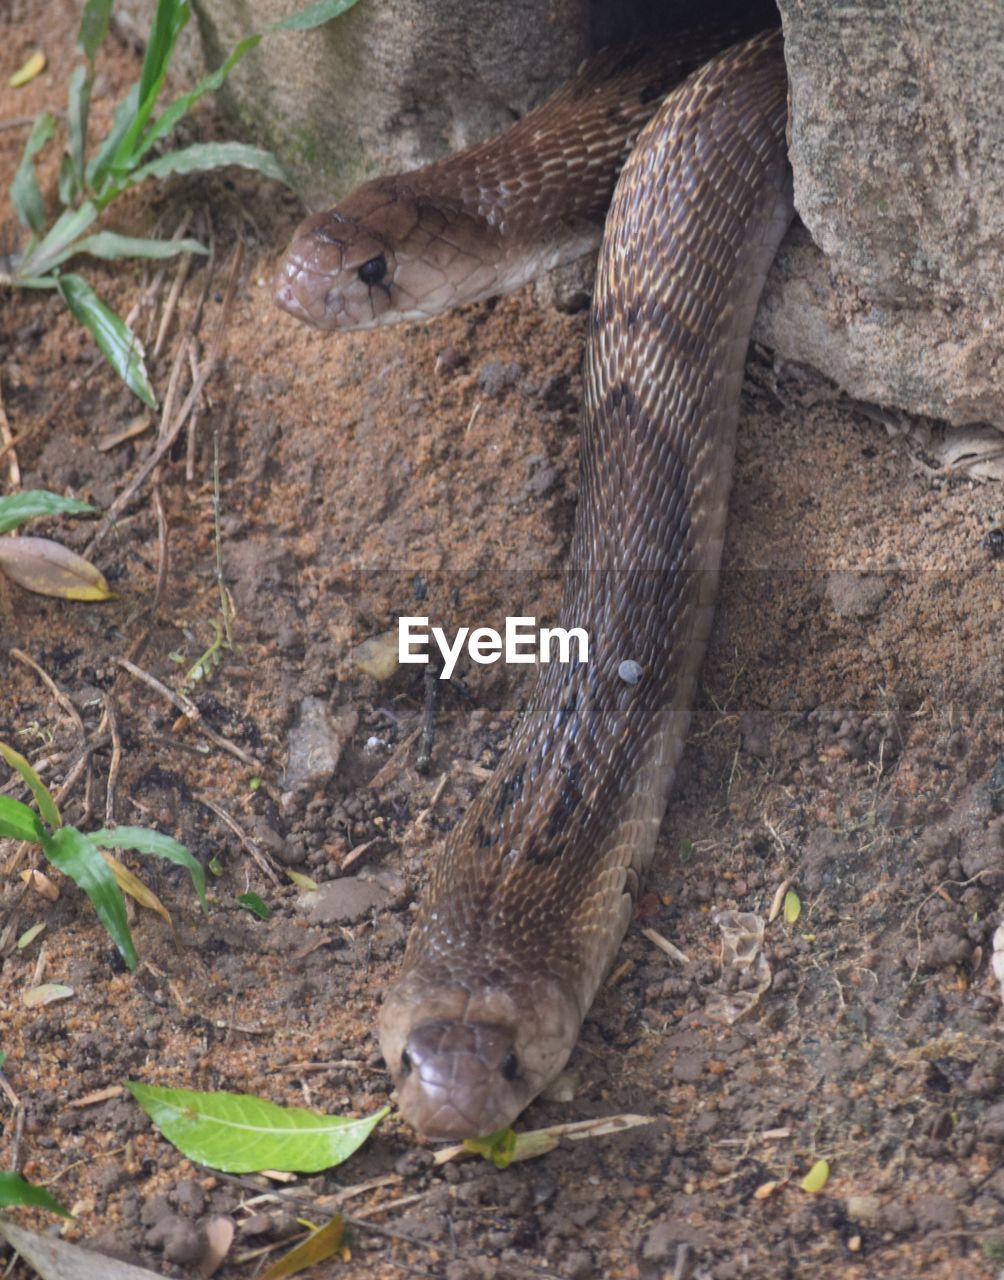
{"x":530,"y":899}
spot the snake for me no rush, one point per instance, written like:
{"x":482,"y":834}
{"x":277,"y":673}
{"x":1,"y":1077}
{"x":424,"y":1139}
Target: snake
{"x":676,"y":163}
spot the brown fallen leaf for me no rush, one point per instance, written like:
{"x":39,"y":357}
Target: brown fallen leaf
{"x":42,"y":885}
{"x":50,"y":569}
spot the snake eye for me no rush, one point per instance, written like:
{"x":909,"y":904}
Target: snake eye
{"x":510,"y":1067}
{"x":373,"y":271}
{"x":406,"y":1063}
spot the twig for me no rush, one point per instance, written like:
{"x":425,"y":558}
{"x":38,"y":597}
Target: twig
{"x":249,"y":845}
{"x":390,"y":767}
{"x":665,"y":946}
{"x":177,"y":284}
{"x":116,"y":760}
{"x":168,"y":439}
{"x":163,"y":560}
{"x":57,"y":693}
{"x":423,"y":757}
{"x":190,"y":711}
{"x":9,"y":446}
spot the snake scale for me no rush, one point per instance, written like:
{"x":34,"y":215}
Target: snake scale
{"x":529,"y":901}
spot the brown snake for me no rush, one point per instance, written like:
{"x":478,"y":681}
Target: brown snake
{"x":530,"y":900}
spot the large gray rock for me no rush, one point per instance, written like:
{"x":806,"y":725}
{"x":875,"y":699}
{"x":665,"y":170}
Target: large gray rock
{"x":391,"y":84}
{"x":897,"y":143}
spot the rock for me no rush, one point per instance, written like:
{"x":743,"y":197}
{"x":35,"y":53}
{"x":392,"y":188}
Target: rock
{"x":992,"y":1125}
{"x":855,"y":595}
{"x":390,"y":84}
{"x":896,"y":139}
{"x":342,"y":901}
{"x":495,"y":377}
{"x":316,"y":742}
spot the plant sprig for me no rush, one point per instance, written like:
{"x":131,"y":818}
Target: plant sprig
{"x":89,"y":181}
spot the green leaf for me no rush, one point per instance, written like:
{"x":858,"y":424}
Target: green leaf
{"x":212,"y":155}
{"x":792,"y":906}
{"x":145,"y":841}
{"x":21,"y":507}
{"x":169,"y":118}
{"x":111,"y":245}
{"x":15,"y":1190}
{"x":18,"y":822}
{"x":169,"y":20}
{"x":100,"y":162}
{"x":78,"y":104}
{"x":497,"y":1147}
{"x":59,"y":241}
{"x":114,"y":337}
{"x":251,"y":902}
{"x":46,"y":805}
{"x":25,"y":195}
{"x":817,"y":1177}
{"x":3,"y":1056}
{"x":79,"y":858}
{"x":93,"y":27}
{"x":242,"y":1134}
{"x":314,"y":15}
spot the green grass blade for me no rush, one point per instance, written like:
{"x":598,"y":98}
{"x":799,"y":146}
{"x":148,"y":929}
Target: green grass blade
{"x":18,"y":822}
{"x":114,"y":337}
{"x":21,"y":507}
{"x":60,"y":241}
{"x":79,"y":858}
{"x":169,"y":20}
{"x":16,"y":1190}
{"x":153,"y":842}
{"x":313,"y":15}
{"x":25,"y":195}
{"x":100,"y":163}
{"x":242,"y":1134}
{"x":93,"y":27}
{"x":169,"y":118}
{"x":213,"y":155}
{"x":110,"y":245}
{"x":78,"y":105}
{"x":46,"y":805}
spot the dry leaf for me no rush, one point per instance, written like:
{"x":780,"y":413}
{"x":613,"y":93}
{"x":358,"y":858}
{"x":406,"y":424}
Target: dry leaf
{"x":50,"y":569}
{"x":32,"y":68}
{"x":41,"y":883}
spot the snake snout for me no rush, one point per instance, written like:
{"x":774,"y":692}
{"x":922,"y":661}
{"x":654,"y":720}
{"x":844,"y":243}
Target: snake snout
{"x":460,"y":1079}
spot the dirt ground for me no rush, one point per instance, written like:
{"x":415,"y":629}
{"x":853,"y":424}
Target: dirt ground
{"x":847,"y":739}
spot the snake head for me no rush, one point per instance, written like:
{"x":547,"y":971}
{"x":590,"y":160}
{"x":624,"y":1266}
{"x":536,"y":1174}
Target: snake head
{"x":467,"y":1060}
{"x":336,"y":274}
{"x":385,"y":254}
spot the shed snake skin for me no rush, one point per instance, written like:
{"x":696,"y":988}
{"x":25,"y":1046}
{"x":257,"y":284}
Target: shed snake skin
{"x":530,"y":900}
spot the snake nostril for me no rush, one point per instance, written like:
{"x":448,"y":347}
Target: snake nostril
{"x":406,"y":1063}
{"x":510,"y":1067}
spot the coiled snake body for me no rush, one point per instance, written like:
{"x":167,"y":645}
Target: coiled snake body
{"x":529,"y":902}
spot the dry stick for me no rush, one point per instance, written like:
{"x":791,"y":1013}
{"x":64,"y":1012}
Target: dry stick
{"x":116,"y":760}
{"x":423,"y":757}
{"x":390,"y":768}
{"x":249,"y":845}
{"x":9,"y":446}
{"x":190,"y":711}
{"x":162,"y":552}
{"x":57,"y":693}
{"x":193,"y":418}
{"x":208,"y":366}
{"x":177,"y":284}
